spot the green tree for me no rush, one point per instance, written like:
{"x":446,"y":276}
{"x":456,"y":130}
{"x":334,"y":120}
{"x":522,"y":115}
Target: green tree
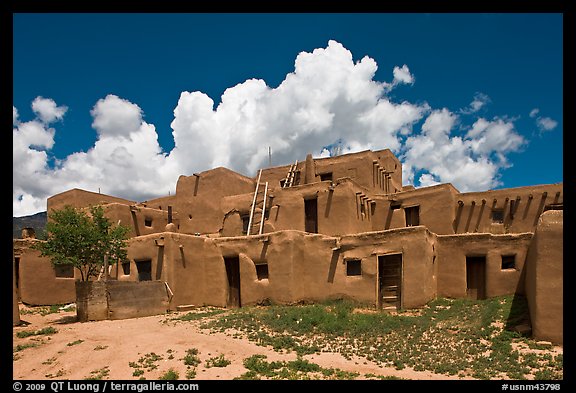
{"x":81,"y":240}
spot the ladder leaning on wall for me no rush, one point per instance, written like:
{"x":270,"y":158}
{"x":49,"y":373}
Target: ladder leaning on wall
{"x":289,"y":181}
{"x":258,"y":207}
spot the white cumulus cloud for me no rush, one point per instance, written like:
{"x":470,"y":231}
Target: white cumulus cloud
{"x":47,"y":110}
{"x":470,"y":163}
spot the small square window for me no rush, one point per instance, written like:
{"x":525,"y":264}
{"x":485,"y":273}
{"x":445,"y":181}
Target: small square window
{"x":148,"y":222}
{"x":126,"y":268}
{"x":498,"y":216}
{"x":508,"y":262}
{"x":64,"y":271}
{"x":262,"y":271}
{"x":326,"y":176}
{"x":353,"y":267}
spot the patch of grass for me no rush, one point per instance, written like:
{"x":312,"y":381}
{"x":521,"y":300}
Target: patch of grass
{"x":46,"y":331}
{"x":99,"y":374}
{"x":170,"y":375}
{"x":446,"y":336}
{"x":75,"y":343}
{"x":300,"y":368}
{"x":21,"y":347}
{"x":145,"y":363}
{"x":191,"y":358}
{"x":191,"y":373}
{"x":218,"y":361}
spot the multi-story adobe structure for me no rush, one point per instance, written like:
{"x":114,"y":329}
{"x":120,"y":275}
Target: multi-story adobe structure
{"x":335,"y":227}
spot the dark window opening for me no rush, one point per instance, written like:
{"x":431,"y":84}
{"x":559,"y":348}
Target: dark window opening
{"x":282,"y":183}
{"x":353,"y":267}
{"x":498,"y":216}
{"x":144,"y":270}
{"x":508,"y":262}
{"x":245,"y":221}
{"x":148,"y":222}
{"x":311,"y":215}
{"x":296,"y":178}
{"x":64,"y":271}
{"x":326,"y":176}
{"x":412,"y":216}
{"x":126,"y":268}
{"x":262,"y":271}
{"x":395,"y":206}
{"x":17,"y":271}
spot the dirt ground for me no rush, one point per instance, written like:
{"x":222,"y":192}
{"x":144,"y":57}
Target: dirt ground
{"x":107,"y":349}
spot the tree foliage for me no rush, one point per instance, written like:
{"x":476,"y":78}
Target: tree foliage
{"x":77,"y":238}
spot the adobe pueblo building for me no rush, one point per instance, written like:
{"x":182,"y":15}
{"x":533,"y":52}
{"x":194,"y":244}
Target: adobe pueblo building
{"x":338,"y":227}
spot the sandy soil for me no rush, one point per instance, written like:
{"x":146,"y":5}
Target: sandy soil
{"x":114,"y":344}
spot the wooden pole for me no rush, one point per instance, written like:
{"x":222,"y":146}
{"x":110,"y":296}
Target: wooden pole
{"x":106,"y":267}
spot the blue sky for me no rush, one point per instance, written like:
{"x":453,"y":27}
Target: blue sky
{"x":121,"y":102}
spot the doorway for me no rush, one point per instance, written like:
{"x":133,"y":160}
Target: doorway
{"x":311,"y":215}
{"x":144,"y":268}
{"x":17,"y":276}
{"x":232,"y":265}
{"x":476,"y":277}
{"x":390,"y":281}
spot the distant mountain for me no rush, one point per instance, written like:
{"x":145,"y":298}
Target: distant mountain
{"x":36,"y":221}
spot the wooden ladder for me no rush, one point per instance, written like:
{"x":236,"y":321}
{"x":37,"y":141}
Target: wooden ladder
{"x":258,"y":207}
{"x":289,"y":181}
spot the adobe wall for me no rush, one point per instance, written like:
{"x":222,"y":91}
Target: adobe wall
{"x":191,"y":265}
{"x":100,"y":300}
{"x":141,"y":220}
{"x":419,"y":261}
{"x":435,"y":204}
{"x":134,"y":300}
{"x":544,"y":278}
{"x":301,"y":266}
{"x":453,"y":250}
{"x":339,"y":209}
{"x":38,"y":284}
{"x":521,"y":206}
{"x":358,"y":166}
{"x":80,"y":198}
{"x":198,"y":201}
{"x":161,"y":203}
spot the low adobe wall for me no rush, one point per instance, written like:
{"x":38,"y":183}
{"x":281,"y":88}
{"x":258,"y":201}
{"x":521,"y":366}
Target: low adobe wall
{"x":99,"y":300}
{"x":452,"y":253}
{"x":544,"y":278}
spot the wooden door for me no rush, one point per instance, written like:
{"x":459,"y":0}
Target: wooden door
{"x":233,"y":273}
{"x":476,"y":277}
